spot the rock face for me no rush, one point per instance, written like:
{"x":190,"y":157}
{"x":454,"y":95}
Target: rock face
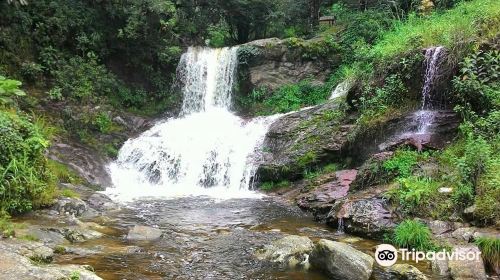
{"x":371,"y":172}
{"x":466,"y":269}
{"x":144,"y":233}
{"x":341,"y":261}
{"x":302,"y":139}
{"x":406,"y":272}
{"x":331,"y":188}
{"x":272,"y":63}
{"x":292,"y":250}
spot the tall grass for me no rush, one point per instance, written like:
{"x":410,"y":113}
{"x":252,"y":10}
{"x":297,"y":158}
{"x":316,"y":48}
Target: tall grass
{"x":476,"y":20}
{"x":413,"y":235}
{"x":490,"y":250}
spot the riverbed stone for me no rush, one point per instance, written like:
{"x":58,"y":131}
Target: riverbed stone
{"x":464,"y":234}
{"x":406,"y":272}
{"x":144,"y":233}
{"x":70,"y":206}
{"x":341,"y":261}
{"x":467,"y":269}
{"x":292,"y":250}
{"x":33,"y":250}
{"x":19,"y":267}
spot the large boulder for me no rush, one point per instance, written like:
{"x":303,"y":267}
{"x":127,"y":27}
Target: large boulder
{"x":301,"y":140}
{"x":144,"y":233}
{"x":467,"y":269}
{"x":292,"y":250}
{"x":365,"y":213}
{"x":372,"y":172}
{"x":341,"y":261}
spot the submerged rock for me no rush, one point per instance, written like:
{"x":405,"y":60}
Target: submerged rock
{"x":406,"y":272}
{"x":292,"y":250}
{"x":341,"y":261}
{"x":144,"y":233}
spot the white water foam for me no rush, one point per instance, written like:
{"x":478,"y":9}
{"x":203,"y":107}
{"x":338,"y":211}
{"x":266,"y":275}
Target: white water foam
{"x":207,"y":150}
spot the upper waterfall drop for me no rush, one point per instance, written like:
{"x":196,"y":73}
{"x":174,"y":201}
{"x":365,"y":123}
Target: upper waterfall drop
{"x":207,"y":150}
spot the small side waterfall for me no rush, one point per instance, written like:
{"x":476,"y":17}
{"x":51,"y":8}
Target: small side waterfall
{"x":419,"y":127}
{"x":207,"y":150}
{"x":426,"y":114}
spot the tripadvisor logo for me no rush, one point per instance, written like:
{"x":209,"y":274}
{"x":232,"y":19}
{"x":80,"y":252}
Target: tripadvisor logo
{"x":387,"y":255}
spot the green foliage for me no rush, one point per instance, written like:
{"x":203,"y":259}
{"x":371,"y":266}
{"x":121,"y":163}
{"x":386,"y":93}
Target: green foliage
{"x":69,"y":193}
{"x":413,"y":235}
{"x":307,"y":159}
{"x":403,"y":162}
{"x":103,"y":122}
{"x":6,"y":226}
{"x":469,"y":21}
{"x":25,"y":180}
{"x":75,"y":275}
{"x":9,"y":89}
{"x":272,"y":186}
{"x":63,"y":173}
{"x":286,"y":98}
{"x":414,"y":194}
{"x":490,"y":250}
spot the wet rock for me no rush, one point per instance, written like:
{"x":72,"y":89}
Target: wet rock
{"x":321,"y":199}
{"x":18,"y":267}
{"x":441,"y":268}
{"x":292,"y":250}
{"x":144,"y":233}
{"x":406,"y":272}
{"x":70,"y":206}
{"x":341,"y":261}
{"x":372,"y":172}
{"x":367,"y":216}
{"x":486,"y":232}
{"x":467,"y":269}
{"x":300,"y":140}
{"x":48,"y":237}
{"x":102,"y":202}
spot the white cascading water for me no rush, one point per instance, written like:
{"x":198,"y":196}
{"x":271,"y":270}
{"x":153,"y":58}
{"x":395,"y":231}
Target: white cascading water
{"x":207,"y":150}
{"x":425,"y":116}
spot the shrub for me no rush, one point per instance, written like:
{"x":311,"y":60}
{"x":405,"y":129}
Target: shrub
{"x":413,"y":235}
{"x":25,"y":180}
{"x":9,"y":89}
{"x":490,"y":250}
{"x":271,"y":186}
{"x":414,"y":194}
{"x":403,"y":162}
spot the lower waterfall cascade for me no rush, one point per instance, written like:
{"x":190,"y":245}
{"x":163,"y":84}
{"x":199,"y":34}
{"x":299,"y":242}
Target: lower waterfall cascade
{"x":207,"y":150}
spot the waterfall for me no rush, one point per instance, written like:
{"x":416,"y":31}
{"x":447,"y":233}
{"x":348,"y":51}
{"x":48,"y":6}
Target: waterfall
{"x":425,"y":116}
{"x":207,"y":150}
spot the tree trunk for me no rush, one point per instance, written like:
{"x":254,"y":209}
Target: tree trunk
{"x":314,"y":6}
